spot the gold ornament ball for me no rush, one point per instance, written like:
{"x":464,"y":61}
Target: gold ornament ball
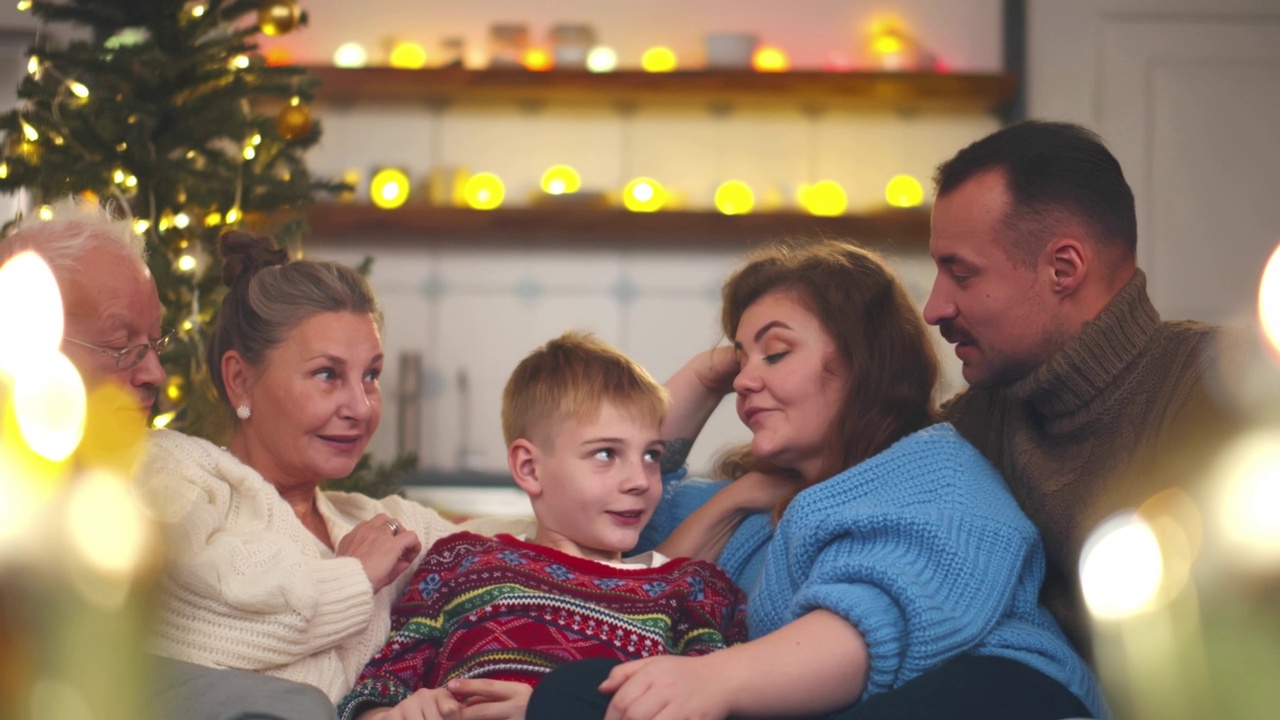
{"x":294,"y":122}
{"x":277,"y":17}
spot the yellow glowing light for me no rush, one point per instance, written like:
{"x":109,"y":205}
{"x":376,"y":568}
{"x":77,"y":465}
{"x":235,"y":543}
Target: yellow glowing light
{"x":389,"y":188}
{"x":658,"y":59}
{"x":165,"y":223}
{"x":4,"y":170}
{"x":824,"y":198}
{"x":256,"y":139}
{"x":770,"y":59}
{"x":537,"y":59}
{"x":887,"y":43}
{"x":140,"y":225}
{"x":904,"y":191}
{"x":233,"y":216}
{"x":483,"y":191}
{"x":31,"y":335}
{"x":250,"y":153}
{"x":279,"y":56}
{"x":198,"y":11}
{"x":105,"y":523}
{"x":29,"y":132}
{"x":163,"y":419}
{"x":130,"y":181}
{"x":240,"y":62}
{"x":181,"y":220}
{"x":78,"y":89}
{"x":602,"y":59}
{"x":1269,"y":301}
{"x":33,"y":65}
{"x":44,"y":212}
{"x":408,"y":56}
{"x":186,"y":263}
{"x":213,"y":219}
{"x":1248,"y":512}
{"x":1121,"y":568}
{"x":187,"y":325}
{"x":350,"y":55}
{"x":644,"y":195}
{"x":735,"y":197}
{"x":24,"y":5}
{"x":561,"y":180}
{"x":49,"y":403}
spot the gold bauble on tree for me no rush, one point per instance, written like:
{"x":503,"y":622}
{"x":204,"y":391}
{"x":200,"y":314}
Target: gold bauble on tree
{"x":277,"y":17}
{"x":294,"y":122}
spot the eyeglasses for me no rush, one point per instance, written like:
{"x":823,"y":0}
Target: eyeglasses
{"x":132,"y":355}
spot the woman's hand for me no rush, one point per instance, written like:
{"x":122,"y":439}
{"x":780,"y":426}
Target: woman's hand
{"x":696,"y":390}
{"x":492,"y":699}
{"x":385,"y":553}
{"x":434,"y":704}
{"x":669,"y":687}
{"x":715,"y":369}
{"x":757,"y":492}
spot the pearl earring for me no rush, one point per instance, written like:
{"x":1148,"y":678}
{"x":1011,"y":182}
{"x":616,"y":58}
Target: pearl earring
{"x":243,"y":412}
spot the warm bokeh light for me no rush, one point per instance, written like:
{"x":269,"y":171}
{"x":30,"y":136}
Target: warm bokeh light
{"x":1248,"y":516}
{"x":279,"y":56}
{"x":838,"y":61}
{"x":904,"y":191}
{"x":1179,"y":529}
{"x":602,"y":59}
{"x":824,"y":198}
{"x":232,"y":217}
{"x":49,"y":403}
{"x":162,"y":420}
{"x":350,"y":55}
{"x":770,"y":59}
{"x":30,"y":314}
{"x":186,"y":263}
{"x":78,"y":89}
{"x":537,"y":59}
{"x":658,"y":59}
{"x":181,"y":220}
{"x":887,"y":43}
{"x":734,"y":197}
{"x":44,"y":212}
{"x":106,"y":525}
{"x":644,"y":195}
{"x":389,"y":188}
{"x":1269,"y":302}
{"x":213,"y":219}
{"x":561,"y":180}
{"x":240,"y":62}
{"x":483,"y":191}
{"x":408,"y":56}
{"x":1121,"y":568}
{"x":141,"y":225}
{"x":29,"y":132}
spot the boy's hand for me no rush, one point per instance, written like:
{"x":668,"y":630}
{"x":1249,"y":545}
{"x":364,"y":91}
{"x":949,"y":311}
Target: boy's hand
{"x":491,"y":699}
{"x":434,"y":704}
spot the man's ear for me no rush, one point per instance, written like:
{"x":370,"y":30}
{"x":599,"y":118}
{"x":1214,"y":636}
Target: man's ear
{"x":236,"y":377}
{"x":1069,"y":260}
{"x":524,"y":458}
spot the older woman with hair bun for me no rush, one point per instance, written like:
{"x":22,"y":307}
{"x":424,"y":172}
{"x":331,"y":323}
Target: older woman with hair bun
{"x":267,"y":572}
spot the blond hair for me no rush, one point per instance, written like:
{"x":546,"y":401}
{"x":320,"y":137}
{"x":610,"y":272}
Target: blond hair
{"x":568,"y":379}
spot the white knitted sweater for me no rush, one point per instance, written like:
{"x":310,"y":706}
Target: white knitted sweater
{"x":248,"y":586}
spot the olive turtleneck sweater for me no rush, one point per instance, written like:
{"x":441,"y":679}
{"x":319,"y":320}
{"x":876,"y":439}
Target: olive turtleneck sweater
{"x":1079,"y":438}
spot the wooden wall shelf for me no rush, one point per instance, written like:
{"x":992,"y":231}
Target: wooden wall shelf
{"x":808,"y":90}
{"x":423,"y":226}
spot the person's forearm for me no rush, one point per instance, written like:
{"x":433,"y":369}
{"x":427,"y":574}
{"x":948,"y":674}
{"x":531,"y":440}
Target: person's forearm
{"x":704,"y":533}
{"x":814,"y":665}
{"x":692,"y":402}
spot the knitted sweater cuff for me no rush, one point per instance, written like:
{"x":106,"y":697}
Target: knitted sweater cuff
{"x":346,"y":600}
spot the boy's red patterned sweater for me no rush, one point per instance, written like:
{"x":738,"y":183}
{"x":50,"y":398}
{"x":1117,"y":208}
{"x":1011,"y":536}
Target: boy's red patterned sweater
{"x":504,"y":609}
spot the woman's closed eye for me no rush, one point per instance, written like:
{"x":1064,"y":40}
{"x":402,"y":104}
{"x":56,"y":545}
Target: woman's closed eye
{"x":775,"y":358}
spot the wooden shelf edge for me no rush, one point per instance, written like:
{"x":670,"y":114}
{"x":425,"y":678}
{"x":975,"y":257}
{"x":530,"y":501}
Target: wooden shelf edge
{"x":422,"y":226}
{"x":807,"y":89}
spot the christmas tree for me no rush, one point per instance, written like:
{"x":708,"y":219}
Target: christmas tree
{"x":170,"y":110}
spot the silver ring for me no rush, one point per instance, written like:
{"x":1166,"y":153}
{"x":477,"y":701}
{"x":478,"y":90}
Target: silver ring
{"x":395,"y":527}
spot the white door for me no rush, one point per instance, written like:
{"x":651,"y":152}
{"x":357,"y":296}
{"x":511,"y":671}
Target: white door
{"x":1187,"y":95}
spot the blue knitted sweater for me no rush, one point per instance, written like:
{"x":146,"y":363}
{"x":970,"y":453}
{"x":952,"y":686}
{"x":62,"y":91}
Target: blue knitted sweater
{"x":921,"y":548}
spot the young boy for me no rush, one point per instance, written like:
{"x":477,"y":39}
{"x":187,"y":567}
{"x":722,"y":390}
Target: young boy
{"x":581,"y":423}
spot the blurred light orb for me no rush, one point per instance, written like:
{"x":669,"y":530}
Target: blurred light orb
{"x":279,"y":56}
{"x":769,"y":58}
{"x":658,"y":59}
{"x":1249,"y":509}
{"x":1121,"y":568}
{"x":483,"y":191}
{"x":239,"y":62}
{"x":1269,"y":302}
{"x":389,"y":188}
{"x":644,"y":195}
{"x":824,"y":198}
{"x":49,"y":403}
{"x":350,"y":55}
{"x":163,"y":419}
{"x":602,"y":59}
{"x":44,"y":212}
{"x":561,"y":180}
{"x":30,"y":314}
{"x":408,"y":56}
{"x":186,"y":263}
{"x":904,"y":191}
{"x":735,"y":197}
{"x":537,"y":60}
{"x":105,"y":523}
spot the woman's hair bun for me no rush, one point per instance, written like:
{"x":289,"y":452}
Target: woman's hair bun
{"x":244,"y":254}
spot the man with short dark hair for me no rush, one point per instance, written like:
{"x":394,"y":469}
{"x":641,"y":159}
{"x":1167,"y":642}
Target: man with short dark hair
{"x":1074,"y":379}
